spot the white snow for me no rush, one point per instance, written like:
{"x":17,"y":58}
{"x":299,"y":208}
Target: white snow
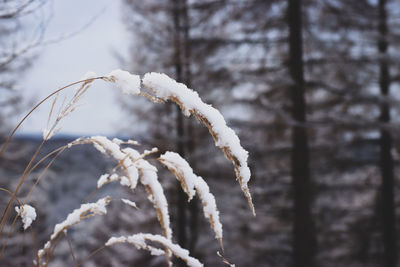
{"x":179,"y":166}
{"x":85,"y":211}
{"x":133,"y":163}
{"x":132,"y":142}
{"x":129,"y":202}
{"x":106,"y":178}
{"x":89,"y":75}
{"x":42,"y":251}
{"x":130,"y":84}
{"x":139,"y":241}
{"x":104,"y":145}
{"x":121,"y":142}
{"x":209,"y":207}
{"x":124,"y":181}
{"x":117,"y":141}
{"x":149,"y":178}
{"x":88,"y":209}
{"x":166,"y":88}
{"x":27,"y":214}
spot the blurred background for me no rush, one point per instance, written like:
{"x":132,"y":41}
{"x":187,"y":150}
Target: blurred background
{"x":310,"y":86}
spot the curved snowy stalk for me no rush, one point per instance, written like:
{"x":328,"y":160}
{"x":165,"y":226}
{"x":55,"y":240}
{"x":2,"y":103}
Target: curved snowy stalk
{"x":85,"y":211}
{"x":225,"y":138}
{"x":136,"y":168}
{"x":192,"y":183}
{"x":134,"y":165}
{"x":139,"y":241}
{"x":106,"y":146}
{"x":149,"y":178}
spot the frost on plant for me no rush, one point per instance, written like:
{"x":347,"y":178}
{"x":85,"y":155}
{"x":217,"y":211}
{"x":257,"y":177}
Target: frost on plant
{"x":225,"y":138}
{"x":129,"y":203}
{"x":192,"y":183}
{"x":107,"y":178}
{"x":106,"y":146}
{"x":133,"y":167}
{"x":139,"y":241}
{"x":130,"y":84}
{"x":85,"y":211}
{"x":66,"y":107}
{"x":27,"y":214}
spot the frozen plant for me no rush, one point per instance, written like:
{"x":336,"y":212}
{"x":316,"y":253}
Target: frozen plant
{"x":192,"y":183}
{"x":133,"y":168}
{"x":166,"y":88}
{"x":85,"y":211}
{"x":139,"y":241}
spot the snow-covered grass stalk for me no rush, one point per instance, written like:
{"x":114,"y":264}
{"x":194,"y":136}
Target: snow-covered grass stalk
{"x":66,"y":108}
{"x":135,"y":166}
{"x":139,"y":241}
{"x":132,"y":167}
{"x":192,"y":183}
{"x":85,"y":211}
{"x":225,"y":138}
{"x":64,"y":111}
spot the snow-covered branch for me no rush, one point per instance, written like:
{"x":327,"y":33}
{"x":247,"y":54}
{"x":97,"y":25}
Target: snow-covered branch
{"x":139,"y":241}
{"x":134,"y":166}
{"x":192,"y":183}
{"x":85,"y":211}
{"x":225,"y":138}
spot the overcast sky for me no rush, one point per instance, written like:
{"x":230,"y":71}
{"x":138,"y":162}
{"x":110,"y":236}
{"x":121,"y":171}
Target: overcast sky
{"x":67,"y":61}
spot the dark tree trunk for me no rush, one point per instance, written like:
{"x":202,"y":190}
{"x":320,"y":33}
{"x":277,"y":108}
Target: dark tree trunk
{"x":303,"y":231}
{"x":181,"y":204}
{"x":386,"y":160}
{"x":190,"y":144}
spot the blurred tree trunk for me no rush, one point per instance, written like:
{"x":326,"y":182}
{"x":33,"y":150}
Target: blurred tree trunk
{"x":185,"y":138}
{"x":303,"y":232}
{"x":178,"y":64}
{"x":386,"y":160}
{"x":190,"y":138}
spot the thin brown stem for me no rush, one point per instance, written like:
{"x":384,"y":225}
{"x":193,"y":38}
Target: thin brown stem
{"x":90,"y":195}
{"x":34,"y":243}
{"x":22,"y":179}
{"x":92,"y":254}
{"x":20,"y":204}
{"x":22,"y":249}
{"x":3,"y":148}
{"x":70,"y":248}
{"x":10,"y":193}
{"x":51,"y":251}
{"x":7,"y":237}
{"x":59,"y":151}
{"x":14,"y":195}
{"x":224,"y":260}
